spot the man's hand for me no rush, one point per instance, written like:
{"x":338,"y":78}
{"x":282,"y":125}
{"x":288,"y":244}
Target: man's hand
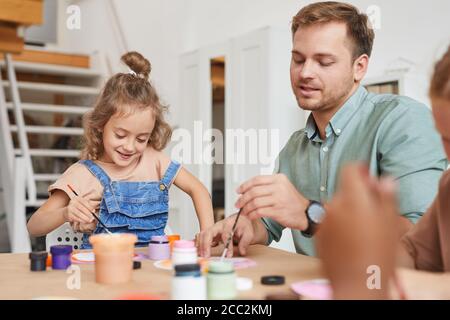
{"x":359,"y":231}
{"x":220,"y":232}
{"x":275,"y":197}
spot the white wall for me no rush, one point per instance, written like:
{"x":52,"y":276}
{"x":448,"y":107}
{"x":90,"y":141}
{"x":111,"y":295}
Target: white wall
{"x":162,"y":30}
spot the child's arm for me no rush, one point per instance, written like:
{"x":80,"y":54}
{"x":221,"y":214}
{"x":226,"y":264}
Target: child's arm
{"x":200,"y":196}
{"x":58,"y":209}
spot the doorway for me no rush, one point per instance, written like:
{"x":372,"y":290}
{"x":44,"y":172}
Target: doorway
{"x":217,"y":67}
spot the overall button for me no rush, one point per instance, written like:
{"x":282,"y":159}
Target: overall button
{"x":162,"y":187}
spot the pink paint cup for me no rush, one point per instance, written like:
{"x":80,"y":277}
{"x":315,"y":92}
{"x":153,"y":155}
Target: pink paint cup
{"x":159,"y":248}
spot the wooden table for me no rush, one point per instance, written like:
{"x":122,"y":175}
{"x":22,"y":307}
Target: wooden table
{"x":18,"y":282}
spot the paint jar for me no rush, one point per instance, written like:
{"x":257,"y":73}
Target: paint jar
{"x":159,"y":248}
{"x":113,"y":257}
{"x":221,"y":281}
{"x":184,"y":252}
{"x":61,"y":256}
{"x":38,"y":261}
{"x":172,"y":238}
{"x":188,"y":283}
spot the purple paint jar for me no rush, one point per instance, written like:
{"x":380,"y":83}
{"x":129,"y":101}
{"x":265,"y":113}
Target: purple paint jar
{"x":61,"y":257}
{"x":159,"y":248}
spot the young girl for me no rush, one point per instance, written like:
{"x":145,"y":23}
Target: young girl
{"x":123,"y":174}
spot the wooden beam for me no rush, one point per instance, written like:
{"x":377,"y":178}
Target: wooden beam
{"x":72,"y":60}
{"x":21,"y":12}
{"x":9,"y":41}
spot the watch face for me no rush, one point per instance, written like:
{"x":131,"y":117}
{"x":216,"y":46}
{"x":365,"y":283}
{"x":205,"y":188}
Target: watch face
{"x":316,"y":212}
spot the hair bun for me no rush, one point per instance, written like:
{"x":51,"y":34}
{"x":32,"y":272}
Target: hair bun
{"x":136,"y":62}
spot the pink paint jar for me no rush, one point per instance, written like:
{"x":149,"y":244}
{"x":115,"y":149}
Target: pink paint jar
{"x":159,"y":248}
{"x":184,"y":252}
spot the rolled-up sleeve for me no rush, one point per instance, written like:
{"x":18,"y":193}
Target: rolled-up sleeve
{"x":413,"y":155}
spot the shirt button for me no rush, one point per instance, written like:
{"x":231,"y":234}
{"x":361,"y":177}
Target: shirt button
{"x":162,"y":187}
{"x":338,"y":131}
{"x":322,"y":188}
{"x":325,"y":149}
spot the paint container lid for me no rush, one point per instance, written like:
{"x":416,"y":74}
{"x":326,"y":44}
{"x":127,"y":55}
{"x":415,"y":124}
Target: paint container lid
{"x":60,"y":249}
{"x":272,"y":280}
{"x":220,"y":267}
{"x":173,"y":237}
{"x":187,"y":267}
{"x":137,"y":265}
{"x":38,"y":255}
{"x":243,"y":284}
{"x":159,"y":239}
{"x":185,"y":244}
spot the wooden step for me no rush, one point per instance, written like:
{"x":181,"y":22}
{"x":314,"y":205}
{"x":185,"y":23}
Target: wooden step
{"x":46,"y":68}
{"x":22,"y":12}
{"x":51,"y":108}
{"x":54,"y":153}
{"x":55,"y":88}
{"x":55,"y":58}
{"x":51,"y":130}
{"x":46,"y":177}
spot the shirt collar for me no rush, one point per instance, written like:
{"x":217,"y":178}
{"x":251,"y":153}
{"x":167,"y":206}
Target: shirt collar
{"x":311,"y":128}
{"x":342,"y":117}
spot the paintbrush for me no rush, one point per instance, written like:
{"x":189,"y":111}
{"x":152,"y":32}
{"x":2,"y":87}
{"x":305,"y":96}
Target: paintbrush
{"x":224,"y":253}
{"x":95,"y":216}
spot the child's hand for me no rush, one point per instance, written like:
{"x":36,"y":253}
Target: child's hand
{"x":84,"y":227}
{"x":80,"y":210}
{"x":359,"y":234}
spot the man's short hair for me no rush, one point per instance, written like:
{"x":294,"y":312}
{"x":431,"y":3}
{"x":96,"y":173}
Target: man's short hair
{"x":358,"y":26}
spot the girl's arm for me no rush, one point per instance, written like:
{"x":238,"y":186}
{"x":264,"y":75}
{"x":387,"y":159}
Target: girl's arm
{"x":58,"y":209}
{"x":200,"y":196}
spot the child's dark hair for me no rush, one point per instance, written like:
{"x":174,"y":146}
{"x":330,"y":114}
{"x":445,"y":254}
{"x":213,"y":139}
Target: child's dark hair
{"x":125,"y":93}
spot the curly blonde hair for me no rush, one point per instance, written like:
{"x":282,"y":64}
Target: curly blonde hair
{"x":125,"y":93}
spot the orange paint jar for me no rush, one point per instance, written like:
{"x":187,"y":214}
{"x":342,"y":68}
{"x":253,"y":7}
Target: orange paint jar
{"x":113,"y":257}
{"x":172,"y":238}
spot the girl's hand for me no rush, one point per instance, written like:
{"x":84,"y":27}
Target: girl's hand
{"x":84,"y":227}
{"x":80,"y":210}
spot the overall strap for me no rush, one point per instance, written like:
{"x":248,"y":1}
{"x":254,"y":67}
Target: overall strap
{"x":97,"y":171}
{"x":102,"y":176}
{"x":170,"y":173}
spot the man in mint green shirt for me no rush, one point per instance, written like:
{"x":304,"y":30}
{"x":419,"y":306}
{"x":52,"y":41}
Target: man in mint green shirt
{"x":393,"y":135}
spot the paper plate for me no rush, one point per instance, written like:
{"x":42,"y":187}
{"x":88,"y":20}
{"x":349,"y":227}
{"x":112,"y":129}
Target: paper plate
{"x":318,"y":289}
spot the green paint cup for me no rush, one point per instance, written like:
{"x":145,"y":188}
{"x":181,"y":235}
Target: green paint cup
{"x":221,"y":281}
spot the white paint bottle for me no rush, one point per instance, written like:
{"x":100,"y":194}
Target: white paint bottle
{"x":188,"y":283}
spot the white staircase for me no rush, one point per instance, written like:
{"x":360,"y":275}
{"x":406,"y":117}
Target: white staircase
{"x":30,"y":159}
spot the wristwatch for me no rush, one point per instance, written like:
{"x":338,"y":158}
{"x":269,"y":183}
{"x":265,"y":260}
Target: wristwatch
{"x":315,"y":213}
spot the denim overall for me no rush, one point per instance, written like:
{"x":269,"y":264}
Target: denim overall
{"x":133,"y":207}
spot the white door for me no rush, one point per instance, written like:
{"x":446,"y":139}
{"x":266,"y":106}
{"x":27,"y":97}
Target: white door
{"x":182,"y":217}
